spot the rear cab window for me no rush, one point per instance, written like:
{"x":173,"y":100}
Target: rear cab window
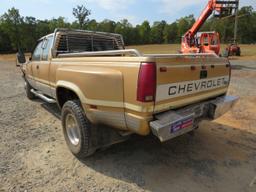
{"x":79,"y":42}
{"x":46,"y":48}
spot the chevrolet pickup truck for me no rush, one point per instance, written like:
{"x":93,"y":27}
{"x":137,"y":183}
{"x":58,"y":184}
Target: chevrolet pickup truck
{"x":102,"y":87}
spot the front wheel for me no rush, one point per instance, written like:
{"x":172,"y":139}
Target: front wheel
{"x":76,"y":129}
{"x":28,"y":88}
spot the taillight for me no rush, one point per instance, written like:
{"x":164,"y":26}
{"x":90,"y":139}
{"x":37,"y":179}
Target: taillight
{"x":147,"y":82}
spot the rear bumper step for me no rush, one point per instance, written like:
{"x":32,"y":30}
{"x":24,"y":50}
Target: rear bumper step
{"x":173,"y":123}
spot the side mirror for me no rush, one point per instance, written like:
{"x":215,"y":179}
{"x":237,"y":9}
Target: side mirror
{"x":20,"y":58}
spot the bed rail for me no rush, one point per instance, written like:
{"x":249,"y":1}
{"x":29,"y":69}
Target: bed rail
{"x":183,"y":55}
{"x":130,"y":52}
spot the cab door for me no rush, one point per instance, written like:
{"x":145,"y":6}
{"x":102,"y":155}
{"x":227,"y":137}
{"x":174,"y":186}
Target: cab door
{"x":43,"y":67}
{"x":35,"y":61}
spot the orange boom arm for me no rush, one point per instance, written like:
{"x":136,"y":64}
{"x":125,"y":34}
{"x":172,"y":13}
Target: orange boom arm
{"x":221,"y":9}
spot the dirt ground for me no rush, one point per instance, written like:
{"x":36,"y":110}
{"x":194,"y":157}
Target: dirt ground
{"x":221,"y":156}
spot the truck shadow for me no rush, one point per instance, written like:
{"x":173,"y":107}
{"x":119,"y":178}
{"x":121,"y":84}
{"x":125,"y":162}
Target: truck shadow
{"x":51,"y":108}
{"x":210,"y":160}
{"x":182,"y":162}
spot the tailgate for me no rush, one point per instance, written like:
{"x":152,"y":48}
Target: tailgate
{"x":183,"y":80}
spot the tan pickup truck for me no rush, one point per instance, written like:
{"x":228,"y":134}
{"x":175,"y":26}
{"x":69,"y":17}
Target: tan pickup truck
{"x":98,"y":84}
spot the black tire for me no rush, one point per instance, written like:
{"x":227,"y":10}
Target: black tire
{"x":83,"y":148}
{"x":238,"y":52}
{"x":29,"y":94}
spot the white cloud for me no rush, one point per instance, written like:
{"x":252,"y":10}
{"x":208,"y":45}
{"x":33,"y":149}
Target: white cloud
{"x":114,"y":5}
{"x":46,"y":2}
{"x":117,"y":9}
{"x":173,"y":6}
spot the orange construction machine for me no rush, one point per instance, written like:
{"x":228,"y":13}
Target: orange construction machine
{"x":207,"y":42}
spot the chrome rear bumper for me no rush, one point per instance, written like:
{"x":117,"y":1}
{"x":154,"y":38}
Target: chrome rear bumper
{"x":221,"y":105}
{"x":173,"y":123}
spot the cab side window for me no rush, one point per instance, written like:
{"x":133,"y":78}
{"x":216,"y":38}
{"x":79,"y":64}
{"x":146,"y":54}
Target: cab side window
{"x":37,"y":52}
{"x":46,"y":48}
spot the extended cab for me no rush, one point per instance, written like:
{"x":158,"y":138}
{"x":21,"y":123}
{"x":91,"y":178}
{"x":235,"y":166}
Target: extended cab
{"x":97,"y":84}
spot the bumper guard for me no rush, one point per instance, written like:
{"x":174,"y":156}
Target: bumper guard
{"x":173,"y":123}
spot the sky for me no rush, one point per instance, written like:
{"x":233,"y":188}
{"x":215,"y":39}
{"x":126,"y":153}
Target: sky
{"x":136,"y":11}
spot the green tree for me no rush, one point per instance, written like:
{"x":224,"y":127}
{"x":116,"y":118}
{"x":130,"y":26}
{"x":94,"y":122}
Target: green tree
{"x":246,"y":25}
{"x":124,"y":28}
{"x":42,"y":28}
{"x":144,"y":32}
{"x":5,"y":42}
{"x":29,"y":28}
{"x":58,"y":23}
{"x":174,"y":37}
{"x":184,"y":24}
{"x":167,"y":34}
{"x":157,"y":32}
{"x":92,"y":25}
{"x":81,"y":13}
{"x":23,"y":32}
{"x":107,"y":26}
{"x":11,"y":22}
{"x":134,"y":36}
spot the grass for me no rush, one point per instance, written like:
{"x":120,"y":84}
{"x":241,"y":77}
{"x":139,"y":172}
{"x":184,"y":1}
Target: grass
{"x":248,"y":51}
{"x":11,"y":57}
{"x":7,"y":57}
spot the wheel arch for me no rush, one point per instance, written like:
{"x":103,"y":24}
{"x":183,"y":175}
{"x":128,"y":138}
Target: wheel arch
{"x":68,"y":91}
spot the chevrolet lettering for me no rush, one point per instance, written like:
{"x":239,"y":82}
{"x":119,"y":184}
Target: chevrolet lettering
{"x":191,"y":87}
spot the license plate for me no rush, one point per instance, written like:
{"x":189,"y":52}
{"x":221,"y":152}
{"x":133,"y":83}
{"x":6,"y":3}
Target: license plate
{"x":203,"y":74}
{"x":182,"y":124}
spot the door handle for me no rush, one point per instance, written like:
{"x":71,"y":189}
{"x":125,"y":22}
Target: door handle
{"x":37,"y":67}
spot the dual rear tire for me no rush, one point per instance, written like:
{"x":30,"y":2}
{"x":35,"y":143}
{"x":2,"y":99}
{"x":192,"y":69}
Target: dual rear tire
{"x":82,"y":137}
{"x":77,"y":129}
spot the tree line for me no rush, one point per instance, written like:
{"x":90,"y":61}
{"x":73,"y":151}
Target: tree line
{"x":18,"y":32}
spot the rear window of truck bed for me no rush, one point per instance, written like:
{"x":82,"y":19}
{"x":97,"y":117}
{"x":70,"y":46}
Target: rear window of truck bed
{"x":75,"y":43}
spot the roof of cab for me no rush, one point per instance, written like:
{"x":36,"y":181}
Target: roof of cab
{"x":42,"y":38}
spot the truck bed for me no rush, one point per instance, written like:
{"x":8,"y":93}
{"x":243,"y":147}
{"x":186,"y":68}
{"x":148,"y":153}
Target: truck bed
{"x":182,"y":79}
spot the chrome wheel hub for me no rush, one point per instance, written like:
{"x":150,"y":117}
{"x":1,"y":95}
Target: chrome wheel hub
{"x":25,"y":85}
{"x":72,"y":129}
